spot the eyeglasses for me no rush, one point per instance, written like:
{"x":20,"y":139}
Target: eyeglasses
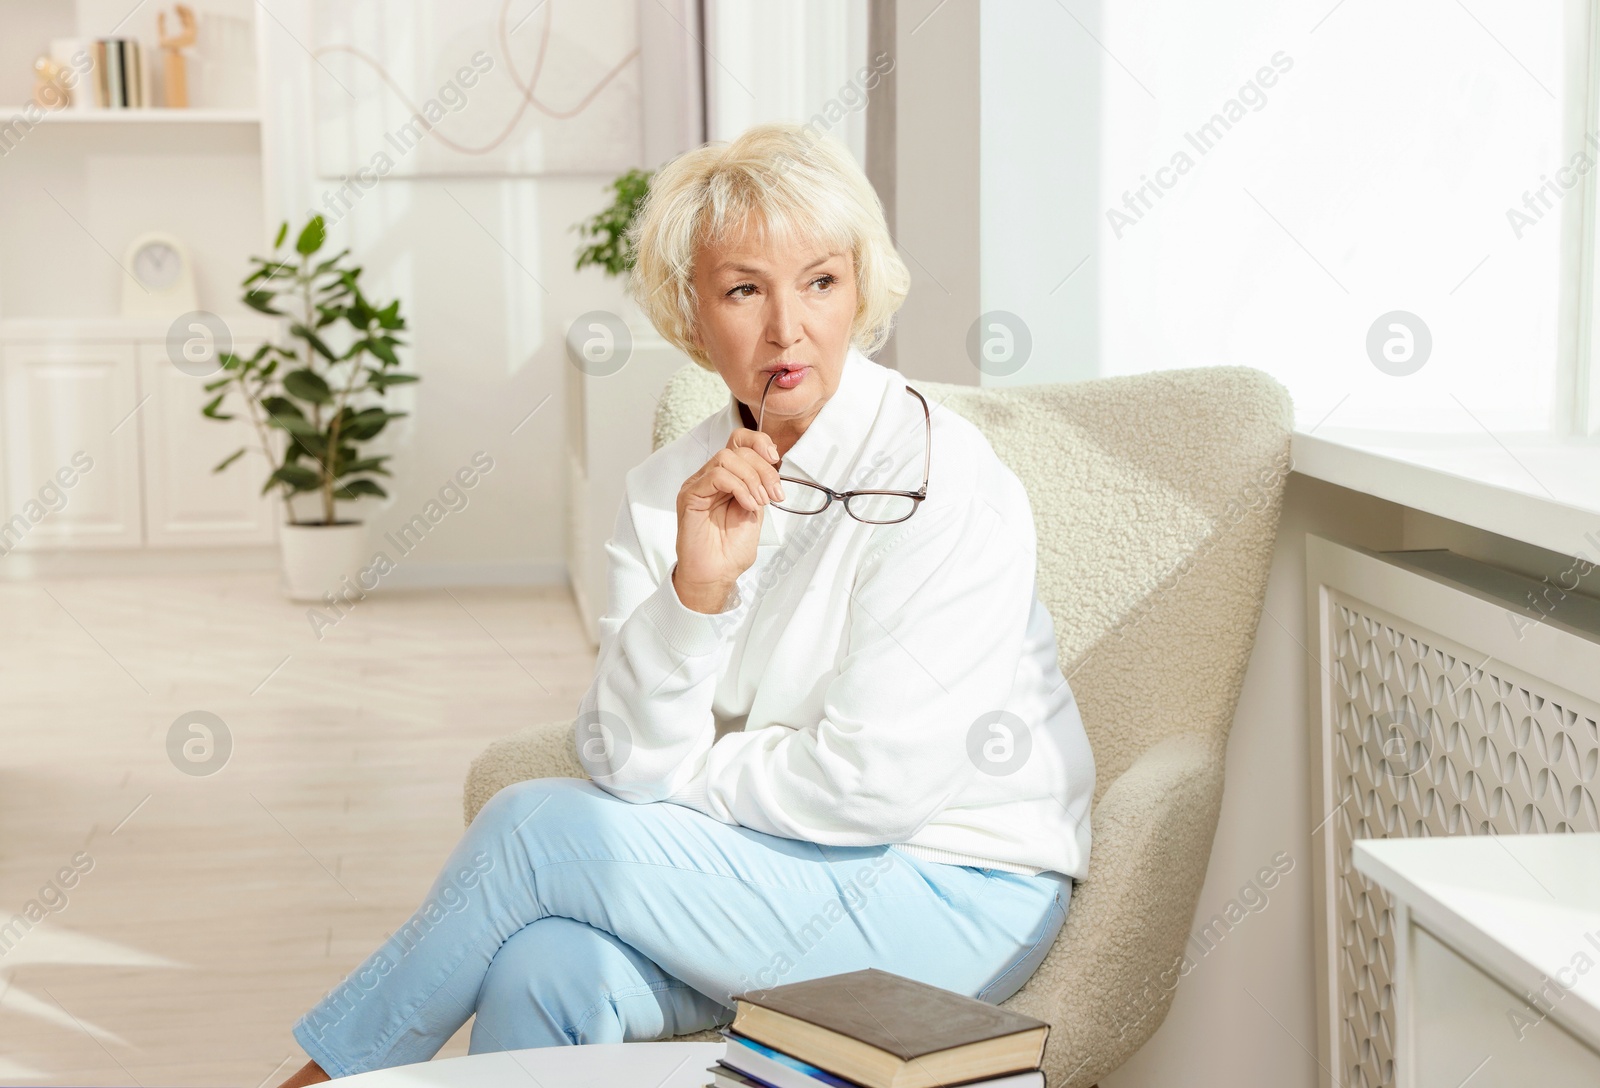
{"x":869,"y":506}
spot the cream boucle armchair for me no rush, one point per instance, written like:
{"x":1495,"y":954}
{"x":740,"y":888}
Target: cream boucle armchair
{"x":1156,"y":499}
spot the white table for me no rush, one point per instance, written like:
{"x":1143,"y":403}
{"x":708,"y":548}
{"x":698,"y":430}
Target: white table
{"x":611,"y":1065}
{"x":1482,"y":923}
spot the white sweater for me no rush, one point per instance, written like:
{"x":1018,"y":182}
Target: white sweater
{"x":848,"y":694}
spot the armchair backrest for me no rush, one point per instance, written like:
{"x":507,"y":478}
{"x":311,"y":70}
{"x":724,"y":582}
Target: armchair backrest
{"x":1156,"y":499}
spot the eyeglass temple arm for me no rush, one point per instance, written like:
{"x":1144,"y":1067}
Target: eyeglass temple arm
{"x":927,"y":449}
{"x":927,"y":422}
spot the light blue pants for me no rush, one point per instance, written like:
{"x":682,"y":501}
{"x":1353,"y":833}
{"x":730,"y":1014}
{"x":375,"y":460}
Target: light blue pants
{"x":567,"y":915}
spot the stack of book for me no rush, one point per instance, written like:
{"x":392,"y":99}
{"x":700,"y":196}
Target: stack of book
{"x":120,"y":79}
{"x":873,"y":1029}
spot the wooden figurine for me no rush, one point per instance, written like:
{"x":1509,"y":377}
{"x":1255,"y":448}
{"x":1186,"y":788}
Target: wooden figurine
{"x":175,"y":65}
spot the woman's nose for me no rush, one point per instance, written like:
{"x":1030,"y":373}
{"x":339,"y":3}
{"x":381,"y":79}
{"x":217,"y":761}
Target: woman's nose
{"x":783,"y":324}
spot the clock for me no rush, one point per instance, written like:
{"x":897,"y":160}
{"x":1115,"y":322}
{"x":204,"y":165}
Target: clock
{"x":158,"y":279}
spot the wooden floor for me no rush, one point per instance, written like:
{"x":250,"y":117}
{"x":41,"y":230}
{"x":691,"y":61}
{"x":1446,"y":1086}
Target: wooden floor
{"x":220,"y":906}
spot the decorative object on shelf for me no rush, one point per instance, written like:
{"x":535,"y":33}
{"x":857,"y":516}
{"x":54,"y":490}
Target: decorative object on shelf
{"x":316,"y":399}
{"x":607,"y":233}
{"x":175,"y":66}
{"x":160,"y":279}
{"x":75,"y":58}
{"x":52,"y":84}
{"x":121,"y":81}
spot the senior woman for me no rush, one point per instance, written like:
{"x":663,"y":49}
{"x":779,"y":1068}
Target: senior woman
{"x":826,"y":731}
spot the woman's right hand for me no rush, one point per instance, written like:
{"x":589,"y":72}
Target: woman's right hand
{"x":720,"y":509}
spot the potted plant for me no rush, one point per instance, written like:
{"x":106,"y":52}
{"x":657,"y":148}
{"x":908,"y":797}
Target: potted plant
{"x":609,"y":245}
{"x":315,"y":399}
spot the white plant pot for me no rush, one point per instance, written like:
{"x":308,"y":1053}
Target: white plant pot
{"x":317,"y":558}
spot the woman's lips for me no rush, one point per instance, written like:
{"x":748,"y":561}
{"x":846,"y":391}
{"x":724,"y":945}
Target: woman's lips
{"x":789,"y":378}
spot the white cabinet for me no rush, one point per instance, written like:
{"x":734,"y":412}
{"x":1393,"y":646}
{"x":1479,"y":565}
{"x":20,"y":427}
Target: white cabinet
{"x":69,"y":417}
{"x":1495,"y":945}
{"x":99,"y":404}
{"x":185,"y":502}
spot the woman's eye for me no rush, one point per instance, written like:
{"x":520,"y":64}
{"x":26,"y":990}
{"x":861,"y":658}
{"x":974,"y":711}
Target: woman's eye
{"x":827,"y":280}
{"x":742,"y":287}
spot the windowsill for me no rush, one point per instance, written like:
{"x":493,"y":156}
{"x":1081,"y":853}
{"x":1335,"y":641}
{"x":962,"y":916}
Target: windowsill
{"x":1543,"y":491}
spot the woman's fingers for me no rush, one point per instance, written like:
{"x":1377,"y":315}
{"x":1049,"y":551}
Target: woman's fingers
{"x":761,"y":443}
{"x":741,"y":458}
{"x":717,"y":479}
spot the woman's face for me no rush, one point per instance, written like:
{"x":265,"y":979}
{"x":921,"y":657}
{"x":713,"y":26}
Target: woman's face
{"x":784,"y":306}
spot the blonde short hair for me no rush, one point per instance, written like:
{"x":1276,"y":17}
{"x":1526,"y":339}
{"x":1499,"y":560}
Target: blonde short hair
{"x":780,"y":177}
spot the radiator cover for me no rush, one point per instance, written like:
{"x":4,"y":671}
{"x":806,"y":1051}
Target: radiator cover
{"x":1444,"y":709}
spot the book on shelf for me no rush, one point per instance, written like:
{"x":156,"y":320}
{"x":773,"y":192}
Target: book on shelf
{"x":874,"y":1029}
{"x":119,"y":77}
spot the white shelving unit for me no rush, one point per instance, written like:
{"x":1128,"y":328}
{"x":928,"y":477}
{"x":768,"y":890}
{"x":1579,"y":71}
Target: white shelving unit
{"x":77,"y":185}
{"x":152,"y":115}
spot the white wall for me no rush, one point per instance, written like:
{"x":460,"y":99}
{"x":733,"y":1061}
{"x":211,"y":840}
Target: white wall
{"x":485,"y":268}
{"x":997,"y":189}
{"x":937,"y":174}
{"x":780,"y":61}
{"x":1038,"y":176}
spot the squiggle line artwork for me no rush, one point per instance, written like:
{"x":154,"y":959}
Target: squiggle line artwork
{"x":527,"y":89}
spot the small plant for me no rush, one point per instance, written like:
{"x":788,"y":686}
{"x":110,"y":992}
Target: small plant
{"x":611,"y":248}
{"x":324,"y":389}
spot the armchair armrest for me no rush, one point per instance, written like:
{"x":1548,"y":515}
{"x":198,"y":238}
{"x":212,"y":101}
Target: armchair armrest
{"x":538,"y":751}
{"x":1108,"y":982}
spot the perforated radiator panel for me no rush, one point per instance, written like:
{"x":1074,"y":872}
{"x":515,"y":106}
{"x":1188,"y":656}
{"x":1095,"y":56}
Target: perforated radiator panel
{"x":1429,"y":738}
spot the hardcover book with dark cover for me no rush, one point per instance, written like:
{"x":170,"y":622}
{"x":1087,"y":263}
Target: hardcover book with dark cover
{"x":886,"y":1031}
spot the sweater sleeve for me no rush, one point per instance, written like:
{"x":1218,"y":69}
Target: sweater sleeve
{"x":936,"y":626}
{"x":647,"y":715}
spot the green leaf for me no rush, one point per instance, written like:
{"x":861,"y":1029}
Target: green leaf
{"x":298,"y":477}
{"x":210,"y":409}
{"x":366,"y":464}
{"x":283,"y":232}
{"x":389,"y":317}
{"x":327,"y":266}
{"x":307,"y":385}
{"x":314,"y":340}
{"x":230,"y":459}
{"x":380,"y":346}
{"x":285,"y":415}
{"x":299,"y":426}
{"x":368,"y":423}
{"x":311,"y":237}
{"x":354,"y":489}
{"x":281,"y":408}
{"x":383,"y":379}
{"x":213,"y":386}
{"x":262,"y":301}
